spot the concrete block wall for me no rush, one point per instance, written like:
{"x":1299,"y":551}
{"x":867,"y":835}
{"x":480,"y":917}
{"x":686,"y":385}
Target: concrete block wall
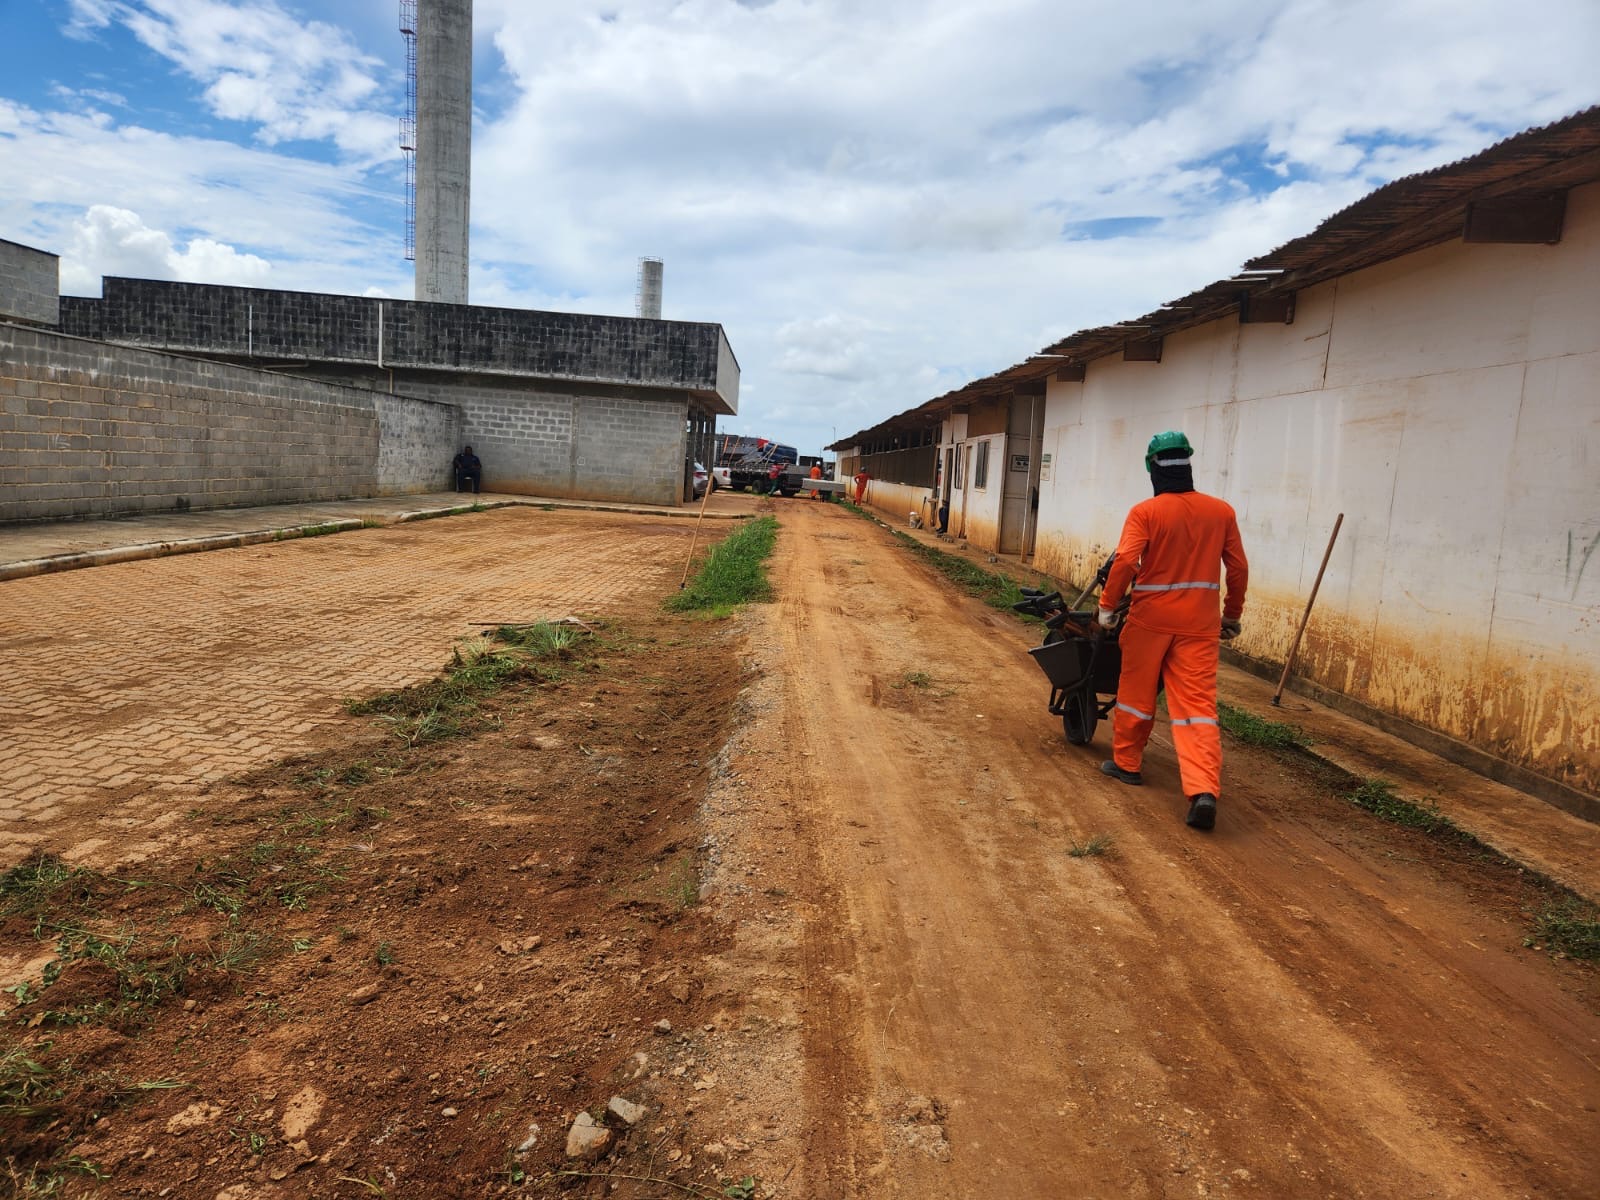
{"x":569,"y":443}
{"x":255,"y":322}
{"x":629,"y":447}
{"x":416,"y":441}
{"x":90,"y":429}
{"x":30,"y":284}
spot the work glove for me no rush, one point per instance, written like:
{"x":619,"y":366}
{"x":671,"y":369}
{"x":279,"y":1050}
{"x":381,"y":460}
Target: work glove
{"x":1230,"y":629}
{"x":1108,"y":618}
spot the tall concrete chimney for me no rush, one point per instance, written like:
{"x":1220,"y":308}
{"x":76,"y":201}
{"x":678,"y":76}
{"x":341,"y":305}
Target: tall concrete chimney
{"x":444,"y":148}
{"x":648,"y":301}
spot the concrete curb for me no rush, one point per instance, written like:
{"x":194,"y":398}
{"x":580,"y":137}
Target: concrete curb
{"x":79,"y":559}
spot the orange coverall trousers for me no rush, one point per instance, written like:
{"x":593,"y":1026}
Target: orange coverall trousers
{"x":1188,"y":664}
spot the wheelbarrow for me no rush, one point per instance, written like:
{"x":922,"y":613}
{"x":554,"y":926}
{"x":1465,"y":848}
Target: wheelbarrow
{"x":1079,"y":656}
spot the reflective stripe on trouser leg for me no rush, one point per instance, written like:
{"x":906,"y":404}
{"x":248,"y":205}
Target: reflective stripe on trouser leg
{"x":1191,"y":677}
{"x":1132,"y":719}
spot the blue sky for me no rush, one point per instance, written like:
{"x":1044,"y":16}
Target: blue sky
{"x":879,"y":201}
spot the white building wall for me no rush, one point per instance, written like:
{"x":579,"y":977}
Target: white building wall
{"x":1448,"y":403}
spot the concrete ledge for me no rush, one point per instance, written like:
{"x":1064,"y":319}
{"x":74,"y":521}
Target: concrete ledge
{"x":120,"y":554}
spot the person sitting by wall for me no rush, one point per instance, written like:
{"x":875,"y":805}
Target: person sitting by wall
{"x":468,"y":471}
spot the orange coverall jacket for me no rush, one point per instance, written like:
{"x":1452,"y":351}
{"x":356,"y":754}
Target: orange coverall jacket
{"x":1178,"y":543}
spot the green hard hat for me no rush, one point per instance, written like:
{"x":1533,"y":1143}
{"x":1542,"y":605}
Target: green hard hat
{"x":1163,"y":443}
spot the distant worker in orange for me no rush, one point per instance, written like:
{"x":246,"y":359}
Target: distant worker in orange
{"x":861,"y":484}
{"x":816,"y":473}
{"x":1177,"y":543}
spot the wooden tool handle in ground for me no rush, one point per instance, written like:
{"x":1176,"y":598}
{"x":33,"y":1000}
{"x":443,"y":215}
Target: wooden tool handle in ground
{"x":704,"y":498}
{"x":1295,"y":646}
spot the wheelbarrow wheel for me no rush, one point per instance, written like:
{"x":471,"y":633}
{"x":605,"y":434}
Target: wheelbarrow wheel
{"x":1079,"y":716}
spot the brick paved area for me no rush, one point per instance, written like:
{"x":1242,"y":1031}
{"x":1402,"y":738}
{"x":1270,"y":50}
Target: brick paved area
{"x":124,"y":688}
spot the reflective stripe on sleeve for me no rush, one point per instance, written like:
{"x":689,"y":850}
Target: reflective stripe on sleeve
{"x":1135,"y":712}
{"x":1175,"y":587}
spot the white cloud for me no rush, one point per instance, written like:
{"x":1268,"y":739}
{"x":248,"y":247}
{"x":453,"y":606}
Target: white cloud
{"x":879,"y":201}
{"x":291,"y":212}
{"x":292,"y":78}
{"x":117,"y":242}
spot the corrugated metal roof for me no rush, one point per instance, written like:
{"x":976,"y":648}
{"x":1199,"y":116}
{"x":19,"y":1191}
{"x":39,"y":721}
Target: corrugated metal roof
{"x":1399,"y":218}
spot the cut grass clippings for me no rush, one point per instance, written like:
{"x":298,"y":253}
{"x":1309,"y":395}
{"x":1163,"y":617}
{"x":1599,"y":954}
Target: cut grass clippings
{"x":449,"y":705}
{"x":734,"y":573}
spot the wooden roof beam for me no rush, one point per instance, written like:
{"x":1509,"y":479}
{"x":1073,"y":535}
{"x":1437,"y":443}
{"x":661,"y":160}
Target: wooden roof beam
{"x":1267,"y":310}
{"x":1528,"y":220}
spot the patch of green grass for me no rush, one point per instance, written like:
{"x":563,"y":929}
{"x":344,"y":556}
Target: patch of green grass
{"x":993,"y":588}
{"x":1098,"y":846}
{"x":734,"y":573}
{"x":1258,"y":731}
{"x":355,"y":774}
{"x":1569,"y":926}
{"x":43,"y":883}
{"x":449,"y":705}
{"x":28,"y":1086}
{"x":683,"y":885}
{"x":384,"y":953}
{"x":1378,"y":797}
{"x":48,"y":1179}
{"x":914,"y":679}
{"x":141,"y":974}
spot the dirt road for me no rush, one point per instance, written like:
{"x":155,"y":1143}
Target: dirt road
{"x":1305,"y":1003}
{"x":817,"y":916}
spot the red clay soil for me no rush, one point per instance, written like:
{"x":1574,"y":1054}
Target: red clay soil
{"x":839,"y":846}
{"x":380,"y":970}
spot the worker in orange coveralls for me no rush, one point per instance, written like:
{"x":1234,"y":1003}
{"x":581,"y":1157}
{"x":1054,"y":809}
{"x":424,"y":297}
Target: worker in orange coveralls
{"x":1177,"y":543}
{"x":816,"y":473}
{"x":861,"y":483}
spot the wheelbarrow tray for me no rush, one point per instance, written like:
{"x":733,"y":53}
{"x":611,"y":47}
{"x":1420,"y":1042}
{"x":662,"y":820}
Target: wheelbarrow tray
{"x":1068,"y":662}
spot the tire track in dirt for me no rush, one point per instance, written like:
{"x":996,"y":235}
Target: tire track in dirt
{"x":1286,"y":1008}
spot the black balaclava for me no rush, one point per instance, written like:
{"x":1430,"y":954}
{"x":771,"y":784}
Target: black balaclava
{"x":1177,"y":478}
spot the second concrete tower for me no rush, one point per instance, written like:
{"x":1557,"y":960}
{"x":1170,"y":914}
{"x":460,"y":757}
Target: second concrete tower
{"x":444,"y":148}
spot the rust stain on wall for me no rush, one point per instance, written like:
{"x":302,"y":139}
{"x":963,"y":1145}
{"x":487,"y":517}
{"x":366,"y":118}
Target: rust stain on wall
{"x":983,"y":533}
{"x":1520,"y":704}
{"x":1072,"y":560}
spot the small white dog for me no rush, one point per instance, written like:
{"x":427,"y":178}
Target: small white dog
{"x":915,"y":519}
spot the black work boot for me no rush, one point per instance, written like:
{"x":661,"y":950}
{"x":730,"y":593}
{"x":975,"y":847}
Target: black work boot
{"x":1202,"y":811}
{"x":1132,"y":778}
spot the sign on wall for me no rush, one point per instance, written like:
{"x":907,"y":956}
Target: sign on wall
{"x":1044,"y":468}
{"x":1019,"y":462}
